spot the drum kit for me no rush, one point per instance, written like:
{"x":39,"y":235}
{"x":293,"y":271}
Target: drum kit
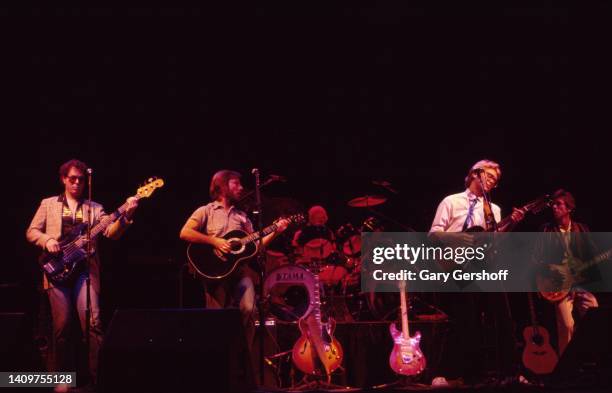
{"x":289,"y":285}
{"x":320,"y":275}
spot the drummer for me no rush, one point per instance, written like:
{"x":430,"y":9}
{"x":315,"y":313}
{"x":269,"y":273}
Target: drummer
{"x":315,"y":240}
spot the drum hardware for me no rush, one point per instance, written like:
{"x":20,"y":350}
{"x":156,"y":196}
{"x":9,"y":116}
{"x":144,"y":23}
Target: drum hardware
{"x":367,"y":201}
{"x":289,"y":292}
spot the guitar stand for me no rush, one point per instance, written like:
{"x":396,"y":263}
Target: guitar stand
{"x":318,"y":384}
{"x":305,"y":385}
{"x":404,"y":382}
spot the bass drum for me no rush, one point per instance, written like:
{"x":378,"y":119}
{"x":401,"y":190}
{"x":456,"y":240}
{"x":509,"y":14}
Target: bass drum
{"x":289,"y":291}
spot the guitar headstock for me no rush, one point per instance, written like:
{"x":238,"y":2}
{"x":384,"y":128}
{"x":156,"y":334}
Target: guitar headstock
{"x":150,"y":185}
{"x":537,"y":205}
{"x":297,"y":218}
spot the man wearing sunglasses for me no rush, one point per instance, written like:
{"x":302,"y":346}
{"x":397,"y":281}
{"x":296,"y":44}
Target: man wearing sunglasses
{"x":55,"y":219}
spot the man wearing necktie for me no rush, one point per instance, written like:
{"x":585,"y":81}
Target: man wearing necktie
{"x":458,"y":213}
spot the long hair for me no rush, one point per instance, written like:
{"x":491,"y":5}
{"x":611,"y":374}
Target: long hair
{"x":219,"y":183}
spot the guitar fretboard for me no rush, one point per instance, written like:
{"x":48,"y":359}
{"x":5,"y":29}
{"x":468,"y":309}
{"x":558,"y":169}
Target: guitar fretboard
{"x":257,"y":235}
{"x":104,"y":223}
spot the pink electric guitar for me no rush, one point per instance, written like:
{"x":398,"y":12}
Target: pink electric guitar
{"x":406,"y":357}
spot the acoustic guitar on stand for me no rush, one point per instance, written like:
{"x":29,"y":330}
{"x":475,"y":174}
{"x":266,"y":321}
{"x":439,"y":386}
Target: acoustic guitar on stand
{"x":538,"y":355}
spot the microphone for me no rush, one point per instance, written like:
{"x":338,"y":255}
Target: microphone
{"x":89,"y":171}
{"x":255,"y":171}
{"x":278,"y":178}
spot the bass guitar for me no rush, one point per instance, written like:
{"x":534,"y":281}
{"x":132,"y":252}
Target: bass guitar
{"x":61,"y":267}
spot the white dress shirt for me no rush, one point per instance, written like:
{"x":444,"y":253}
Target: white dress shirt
{"x":453,"y":211}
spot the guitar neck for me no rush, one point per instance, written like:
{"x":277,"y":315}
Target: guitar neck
{"x":317,"y":307}
{"x":507,"y":223}
{"x":598,"y":259}
{"x":107,"y":221}
{"x":532,"y":312}
{"x":404,"y":311}
{"x":259,"y":234}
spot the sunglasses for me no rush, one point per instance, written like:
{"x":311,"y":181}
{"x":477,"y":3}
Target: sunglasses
{"x":73,"y":179}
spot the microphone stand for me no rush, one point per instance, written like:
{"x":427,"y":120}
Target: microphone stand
{"x":492,"y":224}
{"x":247,"y":195}
{"x":87,"y":280}
{"x":261,"y":261}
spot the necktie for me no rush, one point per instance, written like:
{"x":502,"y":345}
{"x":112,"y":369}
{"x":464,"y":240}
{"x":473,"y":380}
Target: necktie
{"x":470,"y":215}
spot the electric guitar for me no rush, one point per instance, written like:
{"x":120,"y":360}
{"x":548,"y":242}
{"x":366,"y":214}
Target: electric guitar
{"x":406,"y":357}
{"x":211,"y":263}
{"x":317,"y":351}
{"x":507,"y":223}
{"x":538,"y":355}
{"x":61,"y":267}
{"x":570,"y":272}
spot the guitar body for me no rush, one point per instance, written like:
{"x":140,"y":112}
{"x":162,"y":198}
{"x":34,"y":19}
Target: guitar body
{"x":538,"y":355}
{"x":570,"y":272}
{"x":545,"y":288}
{"x":551,"y":290}
{"x":317,"y":355}
{"x":406,"y":357}
{"x":212,"y":263}
{"x":61,"y":268}
{"x":554,"y":297}
{"x":476,"y":228}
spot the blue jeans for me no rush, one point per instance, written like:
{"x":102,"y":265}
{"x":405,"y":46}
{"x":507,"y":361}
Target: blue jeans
{"x":237,"y":293}
{"x":64,"y":301}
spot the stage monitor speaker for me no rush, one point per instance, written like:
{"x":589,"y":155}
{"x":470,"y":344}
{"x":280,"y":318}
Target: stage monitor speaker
{"x":178,"y":350}
{"x":588,"y":357}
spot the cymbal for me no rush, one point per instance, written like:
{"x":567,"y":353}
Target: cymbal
{"x":367,"y":201}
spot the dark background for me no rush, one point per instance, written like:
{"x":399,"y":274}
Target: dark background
{"x":330,"y":96}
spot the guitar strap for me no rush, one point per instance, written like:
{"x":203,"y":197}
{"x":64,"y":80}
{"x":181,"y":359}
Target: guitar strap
{"x":488,"y":214}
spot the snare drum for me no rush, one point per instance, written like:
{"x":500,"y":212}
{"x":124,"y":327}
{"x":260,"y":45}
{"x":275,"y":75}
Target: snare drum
{"x":290,"y":292}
